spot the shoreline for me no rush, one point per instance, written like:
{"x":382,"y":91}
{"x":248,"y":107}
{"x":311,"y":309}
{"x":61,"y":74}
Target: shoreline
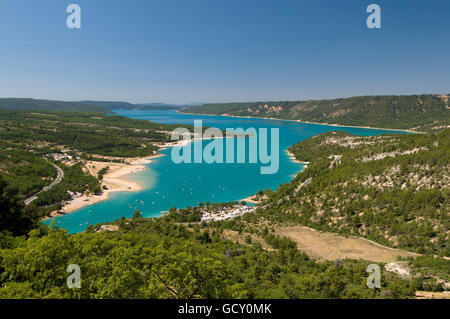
{"x":306,"y":122}
{"x":292,"y":157}
{"x":115,"y":181}
{"x":250,"y":199}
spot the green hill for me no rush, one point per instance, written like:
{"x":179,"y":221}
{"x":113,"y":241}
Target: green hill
{"x":110,"y":105}
{"x":422,"y":112}
{"x":18,"y":104}
{"x":392,"y":189}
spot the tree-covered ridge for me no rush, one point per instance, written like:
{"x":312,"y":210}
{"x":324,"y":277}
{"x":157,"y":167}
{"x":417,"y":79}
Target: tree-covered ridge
{"x":155,"y":258}
{"x":392,"y":189}
{"x":20,"y":104}
{"x":83,"y":132}
{"x":422,"y":112}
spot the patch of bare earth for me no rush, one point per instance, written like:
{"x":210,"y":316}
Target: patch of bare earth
{"x":445,"y":99}
{"x":355,"y":141}
{"x":421,"y":178}
{"x":381,"y":156}
{"x":330,"y":246}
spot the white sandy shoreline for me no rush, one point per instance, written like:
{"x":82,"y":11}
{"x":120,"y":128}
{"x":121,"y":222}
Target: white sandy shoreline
{"x":114,"y":180}
{"x":292,"y":157}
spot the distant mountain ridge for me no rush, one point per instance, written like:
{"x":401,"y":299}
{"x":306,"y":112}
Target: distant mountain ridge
{"x":21,"y":104}
{"x":113,"y":105}
{"x":109,"y":104}
{"x":425,"y":112}
{"x":30,"y":104}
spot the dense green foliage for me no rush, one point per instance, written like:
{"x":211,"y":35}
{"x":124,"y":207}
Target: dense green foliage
{"x":14,"y":218}
{"x":156,"y":258}
{"x":25,"y":173}
{"x":403,"y":112}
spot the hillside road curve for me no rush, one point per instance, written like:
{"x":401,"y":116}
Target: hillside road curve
{"x":58,"y":179}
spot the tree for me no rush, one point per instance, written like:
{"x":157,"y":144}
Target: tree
{"x":137,"y":214}
{"x":14,"y":217}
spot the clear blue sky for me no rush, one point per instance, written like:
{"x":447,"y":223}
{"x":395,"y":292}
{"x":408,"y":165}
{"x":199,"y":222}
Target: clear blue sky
{"x":222,"y":50}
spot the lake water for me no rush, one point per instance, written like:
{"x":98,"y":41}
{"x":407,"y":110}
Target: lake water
{"x":167,"y":184}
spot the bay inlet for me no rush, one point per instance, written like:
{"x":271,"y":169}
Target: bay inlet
{"x":166,"y":184}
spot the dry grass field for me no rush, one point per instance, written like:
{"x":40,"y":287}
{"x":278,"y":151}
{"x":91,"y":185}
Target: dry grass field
{"x":330,"y":246}
{"x":327,"y":246}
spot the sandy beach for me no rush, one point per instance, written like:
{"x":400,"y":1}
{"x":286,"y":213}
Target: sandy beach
{"x":113,"y":180}
{"x":251,"y":199}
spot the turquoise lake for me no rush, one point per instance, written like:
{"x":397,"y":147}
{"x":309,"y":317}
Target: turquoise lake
{"x":167,"y":184}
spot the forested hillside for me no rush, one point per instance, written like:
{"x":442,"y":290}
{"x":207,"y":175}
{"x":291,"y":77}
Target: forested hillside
{"x":18,"y":104}
{"x":392,"y":189}
{"x":422,"y":112}
{"x":155,"y":258}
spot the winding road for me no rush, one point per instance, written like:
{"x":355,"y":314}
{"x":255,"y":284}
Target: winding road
{"x":48,"y":187}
